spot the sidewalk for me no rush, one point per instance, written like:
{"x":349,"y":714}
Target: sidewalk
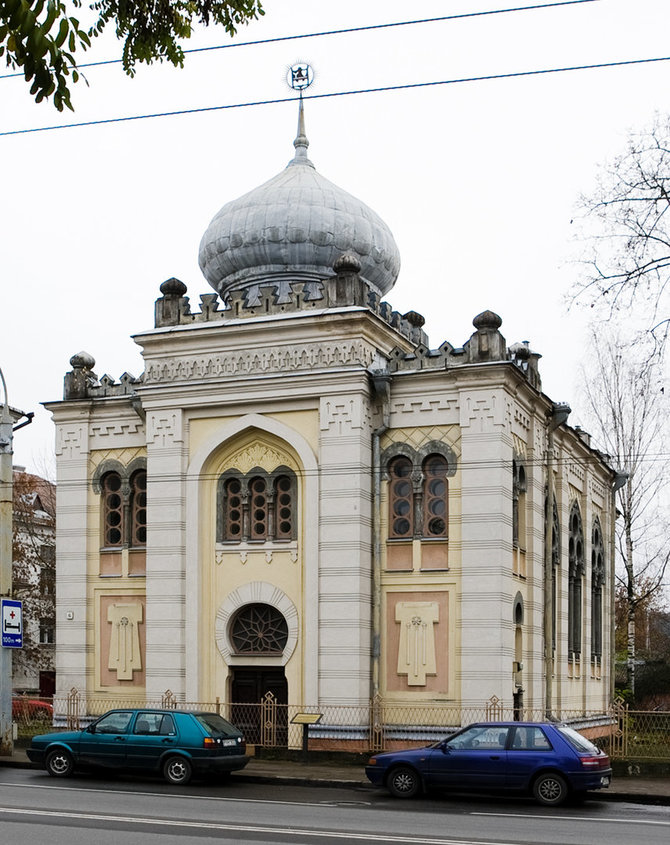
{"x":634,"y":789}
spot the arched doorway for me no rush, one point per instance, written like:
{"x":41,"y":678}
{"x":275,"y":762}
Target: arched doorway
{"x":259,"y":692}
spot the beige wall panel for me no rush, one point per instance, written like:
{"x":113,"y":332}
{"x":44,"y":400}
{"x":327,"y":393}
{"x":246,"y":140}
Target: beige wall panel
{"x":107,"y":678}
{"x":437,"y":683}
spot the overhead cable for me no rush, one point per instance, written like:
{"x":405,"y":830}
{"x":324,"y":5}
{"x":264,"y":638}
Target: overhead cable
{"x":347,"y":31}
{"x":407,"y":86}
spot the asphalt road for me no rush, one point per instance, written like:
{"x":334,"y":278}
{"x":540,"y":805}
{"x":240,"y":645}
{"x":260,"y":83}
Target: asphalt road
{"x":38,"y":810}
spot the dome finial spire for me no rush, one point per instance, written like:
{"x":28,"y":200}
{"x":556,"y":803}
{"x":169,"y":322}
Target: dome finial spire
{"x":300,"y":77}
{"x":301,"y":143}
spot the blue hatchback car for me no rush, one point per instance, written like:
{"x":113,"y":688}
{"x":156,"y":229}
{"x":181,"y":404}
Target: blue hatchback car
{"x":549,"y":761}
{"x":174,"y":743}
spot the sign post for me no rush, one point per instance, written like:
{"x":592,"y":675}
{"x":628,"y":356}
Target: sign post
{"x":306,"y":719}
{"x":6,"y":505}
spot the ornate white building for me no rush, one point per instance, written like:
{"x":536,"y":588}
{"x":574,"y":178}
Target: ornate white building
{"x":300,"y":495}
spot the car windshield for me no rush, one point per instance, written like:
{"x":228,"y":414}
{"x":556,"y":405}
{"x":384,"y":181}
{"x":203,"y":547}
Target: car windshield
{"x":577,"y":741}
{"x":481,"y":737}
{"x":216,"y":725}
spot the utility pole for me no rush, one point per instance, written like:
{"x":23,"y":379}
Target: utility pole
{"x":6,"y":506}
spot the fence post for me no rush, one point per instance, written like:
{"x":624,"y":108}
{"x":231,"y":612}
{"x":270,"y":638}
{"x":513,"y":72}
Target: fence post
{"x":494,"y":709}
{"x":73,"y":710}
{"x":169,"y":700}
{"x":620,"y":733}
{"x":268,"y":720}
{"x":377,"y":733}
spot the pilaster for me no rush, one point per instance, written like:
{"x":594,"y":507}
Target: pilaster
{"x":345,"y":546}
{"x":166,"y":559}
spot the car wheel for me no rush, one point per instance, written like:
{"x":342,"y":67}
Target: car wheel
{"x":403,"y":782}
{"x":59,"y":763}
{"x":177,"y":770}
{"x":550,"y":789}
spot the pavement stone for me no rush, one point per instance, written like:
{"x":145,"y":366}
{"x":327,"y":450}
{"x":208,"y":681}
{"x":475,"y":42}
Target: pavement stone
{"x":633,"y":789}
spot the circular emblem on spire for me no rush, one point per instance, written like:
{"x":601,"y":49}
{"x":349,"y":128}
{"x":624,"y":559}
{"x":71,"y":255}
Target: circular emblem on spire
{"x":300,"y":76}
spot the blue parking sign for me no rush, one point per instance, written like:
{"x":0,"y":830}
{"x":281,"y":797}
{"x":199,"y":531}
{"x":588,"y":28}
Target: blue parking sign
{"x":12,"y":623}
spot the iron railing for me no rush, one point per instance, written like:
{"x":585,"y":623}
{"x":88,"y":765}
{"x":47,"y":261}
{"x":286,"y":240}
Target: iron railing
{"x":622,"y":732}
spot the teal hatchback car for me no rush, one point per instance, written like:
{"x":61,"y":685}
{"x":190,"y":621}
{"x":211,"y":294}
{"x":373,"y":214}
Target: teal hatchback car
{"x":174,"y":743}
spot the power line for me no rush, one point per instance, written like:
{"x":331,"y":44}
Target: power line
{"x":363,"y":470}
{"x":347,"y":31}
{"x":406,"y":86}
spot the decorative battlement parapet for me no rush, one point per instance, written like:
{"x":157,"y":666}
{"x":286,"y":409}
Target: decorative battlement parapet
{"x":82,"y":383}
{"x":283,"y":295}
{"x":486,"y":345}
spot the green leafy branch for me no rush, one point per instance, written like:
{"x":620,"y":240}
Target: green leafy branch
{"x":40,"y":38}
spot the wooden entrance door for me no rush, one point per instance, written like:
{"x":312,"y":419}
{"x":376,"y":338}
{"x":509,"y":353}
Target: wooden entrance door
{"x":257,"y":716}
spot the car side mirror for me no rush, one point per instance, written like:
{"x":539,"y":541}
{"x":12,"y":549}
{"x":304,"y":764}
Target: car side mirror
{"x":445,"y":748}
{"x":90,"y":729}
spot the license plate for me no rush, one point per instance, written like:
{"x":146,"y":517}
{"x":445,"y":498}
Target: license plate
{"x":228,"y":742}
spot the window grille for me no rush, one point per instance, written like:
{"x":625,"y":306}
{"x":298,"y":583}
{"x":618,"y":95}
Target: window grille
{"x":401,"y":498}
{"x":435,"y":497}
{"x":284,"y":508}
{"x":138,"y":509}
{"x":259,"y":629}
{"x":112,"y":509}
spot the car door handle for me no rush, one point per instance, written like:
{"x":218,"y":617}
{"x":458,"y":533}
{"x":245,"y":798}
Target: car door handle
{"x":167,"y":740}
{"x":495,"y":756}
{"x":119,"y":739}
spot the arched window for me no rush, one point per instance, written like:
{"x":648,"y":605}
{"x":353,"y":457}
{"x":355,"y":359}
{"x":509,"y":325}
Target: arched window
{"x":597,"y":582}
{"x":258,"y":629}
{"x":123,"y":503}
{"x":138,"y":508}
{"x":555,"y":562}
{"x":518,"y":505}
{"x":401,"y":498}
{"x":435,"y":496}
{"x":575,"y":574}
{"x":112,"y":510}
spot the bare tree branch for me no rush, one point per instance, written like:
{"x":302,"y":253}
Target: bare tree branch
{"x":628,"y":413}
{"x":624,"y":229}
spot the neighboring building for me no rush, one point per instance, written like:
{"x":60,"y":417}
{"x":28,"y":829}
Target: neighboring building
{"x":34,"y":582}
{"x":299,"y":495}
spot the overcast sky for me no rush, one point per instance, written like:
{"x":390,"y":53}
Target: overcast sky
{"x":477,"y":180}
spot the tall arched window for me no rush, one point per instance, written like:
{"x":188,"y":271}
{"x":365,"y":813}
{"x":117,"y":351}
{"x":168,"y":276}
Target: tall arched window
{"x":575,"y":574}
{"x":138,"y":508}
{"x":284,"y":498}
{"x":232,"y":505}
{"x":597,"y":582}
{"x":518,"y":505}
{"x":435,"y":496}
{"x":401,"y":499}
{"x":112,"y":510}
{"x":555,"y":562}
{"x":258,"y":508}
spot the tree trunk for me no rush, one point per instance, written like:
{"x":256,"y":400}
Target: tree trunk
{"x":632,"y":604}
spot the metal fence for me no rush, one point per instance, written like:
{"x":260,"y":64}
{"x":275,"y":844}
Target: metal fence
{"x":638,"y":734}
{"x":376,"y":726}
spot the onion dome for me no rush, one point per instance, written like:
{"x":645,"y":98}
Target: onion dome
{"x":294,"y":227}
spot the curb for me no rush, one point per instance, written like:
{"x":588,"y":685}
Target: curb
{"x":345,"y":783}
